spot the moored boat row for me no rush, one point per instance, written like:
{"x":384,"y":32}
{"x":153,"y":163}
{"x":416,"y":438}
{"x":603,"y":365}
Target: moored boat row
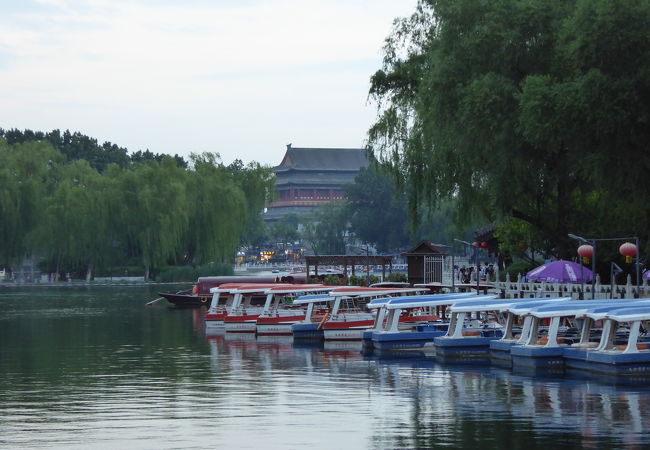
{"x":603,"y":336}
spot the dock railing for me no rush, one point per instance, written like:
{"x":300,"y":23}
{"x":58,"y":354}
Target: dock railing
{"x":523,"y":289}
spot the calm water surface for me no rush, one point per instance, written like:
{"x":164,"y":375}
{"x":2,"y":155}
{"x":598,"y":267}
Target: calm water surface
{"x":94,"y":368}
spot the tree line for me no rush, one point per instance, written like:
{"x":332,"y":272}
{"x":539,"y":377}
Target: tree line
{"x":83,"y":207}
{"x":533,"y":115}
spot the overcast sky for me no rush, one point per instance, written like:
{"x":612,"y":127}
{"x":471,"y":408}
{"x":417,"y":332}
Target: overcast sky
{"x":239,"y":77}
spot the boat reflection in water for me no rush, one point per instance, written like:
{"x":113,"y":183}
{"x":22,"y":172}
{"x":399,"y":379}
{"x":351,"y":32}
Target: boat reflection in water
{"x":444,"y":398}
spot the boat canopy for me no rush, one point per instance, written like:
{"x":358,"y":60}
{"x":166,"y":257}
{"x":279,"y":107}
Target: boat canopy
{"x":227,"y":287}
{"x":262,"y":288}
{"x":570,"y":308}
{"x":636,"y":306}
{"x":603,"y":311}
{"x":370,"y":292}
{"x":313,"y":298}
{"x":503,"y":304}
{"x":420,"y":301}
{"x":295,"y":289}
{"x":379,"y":302}
{"x":643,"y":313}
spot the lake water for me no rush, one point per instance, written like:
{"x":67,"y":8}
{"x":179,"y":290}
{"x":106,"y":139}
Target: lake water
{"x":95,"y":368}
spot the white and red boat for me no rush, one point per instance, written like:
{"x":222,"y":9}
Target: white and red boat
{"x":241,"y":299}
{"x":349,"y":317}
{"x":280,"y":313}
{"x":248,"y":304}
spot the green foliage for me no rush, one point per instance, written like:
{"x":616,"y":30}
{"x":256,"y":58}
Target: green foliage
{"x":285,"y":230}
{"x":27,"y":173}
{"x":328,"y":232}
{"x":332,"y":280}
{"x":217,"y":209}
{"x":397,"y":277}
{"x":519,"y":267}
{"x":377,"y":211}
{"x":532,"y":110}
{"x":362,"y":280}
{"x":75,"y":146}
{"x":82,"y":220}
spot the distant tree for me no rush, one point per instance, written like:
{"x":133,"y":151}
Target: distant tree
{"x":327,"y":233}
{"x":257,"y":182}
{"x":285,"y":229}
{"x":155,"y":211}
{"x":217,"y":211}
{"x":74,"y":230}
{"x":26,"y":173}
{"x":378,"y":213}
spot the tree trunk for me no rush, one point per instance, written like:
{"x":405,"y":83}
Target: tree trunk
{"x":563,"y":206}
{"x":89,"y":271}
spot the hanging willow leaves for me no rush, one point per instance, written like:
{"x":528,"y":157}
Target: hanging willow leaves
{"x":525,"y":109}
{"x":217,"y":211}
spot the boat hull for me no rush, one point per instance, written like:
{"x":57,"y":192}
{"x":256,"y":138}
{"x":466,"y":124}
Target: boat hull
{"x":307,"y":331}
{"x":185,"y":299}
{"x":500,"y":350}
{"x":405,"y":339}
{"x":241,"y":324}
{"x":611,"y":363}
{"x":346,"y":330}
{"x":537,"y":357}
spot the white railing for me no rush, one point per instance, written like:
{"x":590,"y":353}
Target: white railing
{"x":522,"y":289}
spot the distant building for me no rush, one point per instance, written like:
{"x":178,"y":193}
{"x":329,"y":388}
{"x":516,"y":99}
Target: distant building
{"x":310,"y":177}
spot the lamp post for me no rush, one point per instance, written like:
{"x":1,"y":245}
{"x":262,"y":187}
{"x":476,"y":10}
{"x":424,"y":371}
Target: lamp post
{"x":476,"y":256}
{"x":593,"y":241}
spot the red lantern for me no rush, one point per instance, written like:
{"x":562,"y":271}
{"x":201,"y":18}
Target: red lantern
{"x":628,"y":250}
{"x":484,"y":245}
{"x":475,"y":244}
{"x":586,"y":251}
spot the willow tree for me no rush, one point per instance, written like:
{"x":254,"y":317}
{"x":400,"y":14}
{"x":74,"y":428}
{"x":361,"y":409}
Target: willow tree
{"x":26,"y":173}
{"x":217,"y":211}
{"x":155,"y":213}
{"x":257,"y":182}
{"x":74,"y":228}
{"x":527,"y":109}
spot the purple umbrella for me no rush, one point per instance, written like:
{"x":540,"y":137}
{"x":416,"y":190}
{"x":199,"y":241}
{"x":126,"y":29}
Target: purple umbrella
{"x":646,"y":275}
{"x":560,"y":272}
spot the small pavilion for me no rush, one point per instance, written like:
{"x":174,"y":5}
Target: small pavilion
{"x":350,"y":261}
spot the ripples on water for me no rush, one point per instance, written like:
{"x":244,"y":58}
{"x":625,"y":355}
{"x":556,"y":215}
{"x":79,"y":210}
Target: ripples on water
{"x":94,"y":368}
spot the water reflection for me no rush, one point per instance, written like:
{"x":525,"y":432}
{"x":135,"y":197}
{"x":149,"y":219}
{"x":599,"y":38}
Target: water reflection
{"x":90,"y":367}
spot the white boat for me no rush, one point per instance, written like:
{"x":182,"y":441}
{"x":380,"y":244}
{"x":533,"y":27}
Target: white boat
{"x":278,"y":315}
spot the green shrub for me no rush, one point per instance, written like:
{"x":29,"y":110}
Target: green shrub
{"x":522,"y":267}
{"x":362,"y":280}
{"x":397,"y":277}
{"x":332,"y":280}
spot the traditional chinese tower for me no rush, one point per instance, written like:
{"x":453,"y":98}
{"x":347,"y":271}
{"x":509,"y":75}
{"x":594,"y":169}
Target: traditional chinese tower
{"x":310,"y":177}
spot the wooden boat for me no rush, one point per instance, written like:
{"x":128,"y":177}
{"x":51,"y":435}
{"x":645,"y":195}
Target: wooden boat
{"x":200,"y":294}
